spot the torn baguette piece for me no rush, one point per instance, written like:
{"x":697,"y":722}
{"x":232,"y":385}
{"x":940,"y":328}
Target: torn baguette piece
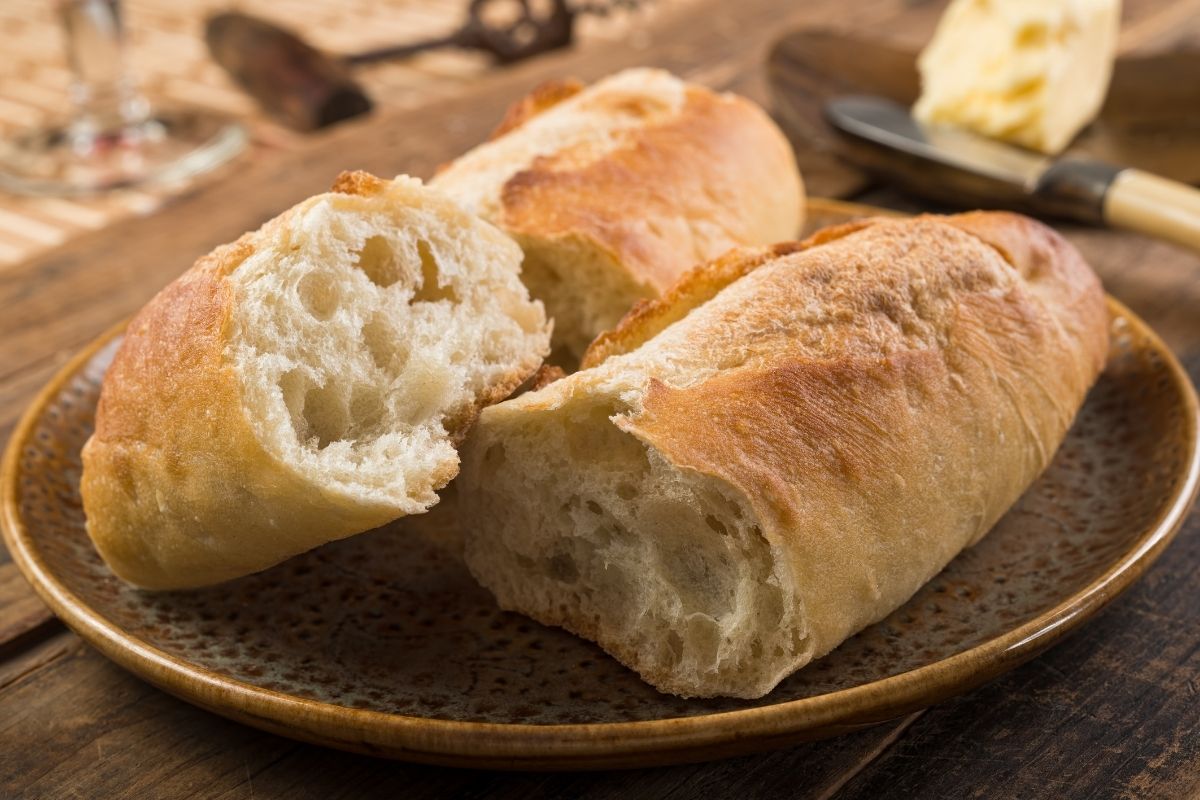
{"x":614,"y":190}
{"x":308,"y":382}
{"x":786,"y":446}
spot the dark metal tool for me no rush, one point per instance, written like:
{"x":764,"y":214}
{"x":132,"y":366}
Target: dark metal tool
{"x":306,"y":89}
{"x":961,"y":168}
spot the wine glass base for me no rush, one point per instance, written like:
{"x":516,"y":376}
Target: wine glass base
{"x":169,"y":147}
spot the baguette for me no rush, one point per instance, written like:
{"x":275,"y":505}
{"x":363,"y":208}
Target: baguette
{"x":308,"y":382}
{"x":615,"y":190}
{"x":786,"y":446}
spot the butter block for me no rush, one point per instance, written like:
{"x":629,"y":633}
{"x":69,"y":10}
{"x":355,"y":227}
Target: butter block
{"x":1033,"y":72}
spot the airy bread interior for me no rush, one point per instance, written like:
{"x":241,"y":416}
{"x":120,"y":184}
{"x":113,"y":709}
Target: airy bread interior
{"x":668,"y":568}
{"x":370,"y":329}
{"x":583,"y":288}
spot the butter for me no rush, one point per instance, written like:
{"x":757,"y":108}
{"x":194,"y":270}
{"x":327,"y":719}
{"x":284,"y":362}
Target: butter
{"x":1033,"y":72}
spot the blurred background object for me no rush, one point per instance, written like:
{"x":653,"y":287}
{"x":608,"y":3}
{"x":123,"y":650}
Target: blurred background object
{"x":112,"y":137}
{"x":305,"y":88}
{"x":957,"y":166}
{"x":1150,"y":119}
{"x":165,"y":50}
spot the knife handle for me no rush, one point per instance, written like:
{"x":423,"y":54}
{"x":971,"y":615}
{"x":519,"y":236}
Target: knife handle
{"x":1139,"y":201}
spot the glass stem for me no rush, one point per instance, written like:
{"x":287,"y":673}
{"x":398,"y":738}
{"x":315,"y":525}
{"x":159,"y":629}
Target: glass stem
{"x":107,"y":105}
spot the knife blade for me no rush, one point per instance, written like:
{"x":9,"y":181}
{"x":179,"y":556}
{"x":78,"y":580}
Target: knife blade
{"x":962,"y":168}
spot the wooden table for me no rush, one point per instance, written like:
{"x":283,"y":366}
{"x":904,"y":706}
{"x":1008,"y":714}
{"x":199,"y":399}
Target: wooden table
{"x":1114,"y":711}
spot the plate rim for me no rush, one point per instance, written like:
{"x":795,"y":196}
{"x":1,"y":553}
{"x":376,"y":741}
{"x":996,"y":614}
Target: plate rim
{"x":597,"y":744}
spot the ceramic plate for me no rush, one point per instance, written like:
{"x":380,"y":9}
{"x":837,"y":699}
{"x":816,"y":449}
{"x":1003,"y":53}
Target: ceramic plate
{"x":383,"y":644}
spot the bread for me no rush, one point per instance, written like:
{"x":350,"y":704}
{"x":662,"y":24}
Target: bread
{"x":786,"y":446}
{"x":305,"y":383}
{"x":615,"y":190}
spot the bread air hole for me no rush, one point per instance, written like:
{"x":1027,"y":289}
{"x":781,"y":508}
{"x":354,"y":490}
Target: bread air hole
{"x":322,"y":415}
{"x":292,"y":385}
{"x":430,"y":291}
{"x":381,"y":343}
{"x":493,"y":458}
{"x":1033,"y":35}
{"x":562,"y":568}
{"x":366,"y":410}
{"x":325,"y":416}
{"x":377,"y":260}
{"x":675,"y":647}
{"x":318,"y":294}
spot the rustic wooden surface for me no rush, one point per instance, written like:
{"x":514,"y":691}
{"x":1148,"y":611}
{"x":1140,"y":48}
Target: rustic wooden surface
{"x":1112,"y":712}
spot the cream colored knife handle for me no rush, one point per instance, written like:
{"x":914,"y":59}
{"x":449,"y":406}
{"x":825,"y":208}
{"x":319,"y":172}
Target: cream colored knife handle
{"x":1139,"y":201}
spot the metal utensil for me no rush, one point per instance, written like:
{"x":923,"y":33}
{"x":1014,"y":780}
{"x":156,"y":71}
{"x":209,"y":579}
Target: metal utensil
{"x":958,"y":167}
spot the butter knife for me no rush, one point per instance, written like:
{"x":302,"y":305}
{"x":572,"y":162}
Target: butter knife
{"x":962,"y":168}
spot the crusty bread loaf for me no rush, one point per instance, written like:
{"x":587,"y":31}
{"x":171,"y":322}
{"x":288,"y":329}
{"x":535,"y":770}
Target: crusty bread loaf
{"x":786,"y":446}
{"x":615,"y":190}
{"x":307,"y":382}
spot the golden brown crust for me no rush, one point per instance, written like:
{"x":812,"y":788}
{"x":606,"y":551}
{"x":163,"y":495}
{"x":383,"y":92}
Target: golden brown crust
{"x":359,"y":183}
{"x":971,"y":393}
{"x":545,"y":95}
{"x":1056,"y":272}
{"x":874,"y":399}
{"x":179,"y":333}
{"x":697,"y":286}
{"x":713,"y":167}
{"x":694,"y":288}
{"x":1036,"y":251}
{"x":546,"y":375}
{"x":639,"y":178}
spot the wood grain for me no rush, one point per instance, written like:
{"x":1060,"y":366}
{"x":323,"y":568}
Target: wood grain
{"x":25,"y":617}
{"x":1112,"y":712}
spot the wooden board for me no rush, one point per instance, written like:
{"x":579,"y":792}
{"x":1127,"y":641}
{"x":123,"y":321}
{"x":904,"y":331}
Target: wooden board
{"x":1111,"y":713}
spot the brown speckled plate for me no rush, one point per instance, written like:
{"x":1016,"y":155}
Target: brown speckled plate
{"x":383,"y":644}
